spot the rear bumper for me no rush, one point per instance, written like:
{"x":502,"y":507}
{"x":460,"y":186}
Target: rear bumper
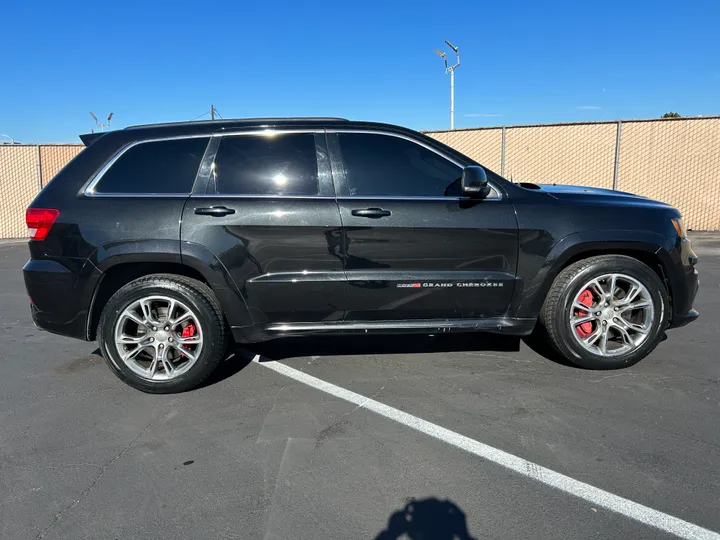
{"x":60,"y":292}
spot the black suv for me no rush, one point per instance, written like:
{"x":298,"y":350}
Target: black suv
{"x":164,"y":242}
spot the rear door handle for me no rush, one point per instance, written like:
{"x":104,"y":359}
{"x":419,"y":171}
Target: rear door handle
{"x":370,"y":212}
{"x":217,"y":211}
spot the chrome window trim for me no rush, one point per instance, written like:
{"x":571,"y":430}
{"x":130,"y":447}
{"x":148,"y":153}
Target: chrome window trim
{"x":269,"y":133}
{"x":498,"y":194}
{"x":259,"y":196}
{"x":408,"y":198}
{"x":90,"y":189}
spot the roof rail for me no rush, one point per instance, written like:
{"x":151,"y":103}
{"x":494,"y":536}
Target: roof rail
{"x":230,"y":121}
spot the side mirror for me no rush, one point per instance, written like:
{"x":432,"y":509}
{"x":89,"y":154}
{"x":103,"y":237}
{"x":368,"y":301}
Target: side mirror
{"x":474,"y":182}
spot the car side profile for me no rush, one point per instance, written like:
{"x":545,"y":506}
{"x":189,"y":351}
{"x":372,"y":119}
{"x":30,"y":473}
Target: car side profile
{"x":165,"y":242}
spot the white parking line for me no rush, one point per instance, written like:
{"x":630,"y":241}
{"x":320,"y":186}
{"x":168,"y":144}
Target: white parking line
{"x":596,"y":496}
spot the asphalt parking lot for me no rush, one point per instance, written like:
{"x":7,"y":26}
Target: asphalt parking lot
{"x":258,"y":454}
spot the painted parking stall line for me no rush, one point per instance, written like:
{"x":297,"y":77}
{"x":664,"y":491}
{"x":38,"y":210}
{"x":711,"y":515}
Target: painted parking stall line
{"x":594,"y":495}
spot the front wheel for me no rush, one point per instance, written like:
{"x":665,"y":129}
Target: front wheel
{"x":606,"y":312}
{"x":163,"y":333}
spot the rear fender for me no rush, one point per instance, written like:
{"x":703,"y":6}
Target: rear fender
{"x":196,"y":257}
{"x":205,"y":262}
{"x":135,"y":251}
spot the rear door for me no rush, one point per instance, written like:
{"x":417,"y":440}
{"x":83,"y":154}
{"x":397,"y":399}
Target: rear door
{"x":415,"y":248}
{"x":268,"y":214}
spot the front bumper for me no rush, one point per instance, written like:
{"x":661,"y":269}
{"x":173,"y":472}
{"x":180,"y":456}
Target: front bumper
{"x":684,"y":283}
{"x":687,"y":318}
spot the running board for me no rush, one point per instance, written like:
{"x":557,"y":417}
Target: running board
{"x":498,"y":325}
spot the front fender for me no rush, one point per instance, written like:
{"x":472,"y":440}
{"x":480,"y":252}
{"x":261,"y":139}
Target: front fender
{"x":537,"y":272}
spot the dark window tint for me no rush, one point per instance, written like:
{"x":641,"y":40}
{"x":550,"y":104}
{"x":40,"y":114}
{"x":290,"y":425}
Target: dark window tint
{"x":155,"y":167}
{"x":380,"y":165}
{"x":267,"y":165}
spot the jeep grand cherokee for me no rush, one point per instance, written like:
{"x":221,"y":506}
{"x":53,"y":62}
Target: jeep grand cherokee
{"x":163,"y":242}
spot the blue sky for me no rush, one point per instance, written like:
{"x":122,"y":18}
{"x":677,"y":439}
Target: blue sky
{"x":522,"y":62}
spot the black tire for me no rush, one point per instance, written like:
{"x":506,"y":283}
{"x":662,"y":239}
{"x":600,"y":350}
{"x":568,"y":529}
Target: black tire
{"x":196,"y":295}
{"x":554,"y":316}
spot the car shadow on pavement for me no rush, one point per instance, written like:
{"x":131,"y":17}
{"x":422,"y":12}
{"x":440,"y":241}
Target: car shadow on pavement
{"x":539,"y":344}
{"x":280,"y":349}
{"x":240,"y":356}
{"x":236,"y":360}
{"x":427,"y":519}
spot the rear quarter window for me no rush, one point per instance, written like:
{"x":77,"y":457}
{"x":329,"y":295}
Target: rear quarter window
{"x":162,"y":167}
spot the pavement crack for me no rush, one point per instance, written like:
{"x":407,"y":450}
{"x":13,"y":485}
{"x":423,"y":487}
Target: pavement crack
{"x":365,"y":401}
{"x":103,"y":469}
{"x":601,"y":379}
{"x":63,"y":466}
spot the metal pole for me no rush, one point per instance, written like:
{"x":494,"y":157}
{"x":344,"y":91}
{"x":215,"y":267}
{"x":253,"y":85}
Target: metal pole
{"x":617,"y":154}
{"x":502,"y":154}
{"x":452,"y":99}
{"x":39,"y":156}
{"x":212,"y":112}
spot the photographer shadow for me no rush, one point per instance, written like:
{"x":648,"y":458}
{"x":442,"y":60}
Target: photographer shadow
{"x":427,"y":519}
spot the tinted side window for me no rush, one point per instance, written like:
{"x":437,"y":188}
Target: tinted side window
{"x":155,"y":167}
{"x":267,"y":165}
{"x":380,"y":165}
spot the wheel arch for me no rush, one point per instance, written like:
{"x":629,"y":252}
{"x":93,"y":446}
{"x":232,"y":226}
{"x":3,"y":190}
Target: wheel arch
{"x":122,"y":273}
{"x":646,"y":247}
{"x":122,"y":263}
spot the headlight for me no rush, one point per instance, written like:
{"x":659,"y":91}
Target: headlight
{"x":680,"y":227}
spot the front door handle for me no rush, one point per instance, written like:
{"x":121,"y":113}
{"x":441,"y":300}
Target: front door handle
{"x":373,"y":213}
{"x":217,"y":211}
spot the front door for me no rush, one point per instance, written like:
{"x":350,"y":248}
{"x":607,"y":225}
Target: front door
{"x":269,"y":216}
{"x":414,"y":248}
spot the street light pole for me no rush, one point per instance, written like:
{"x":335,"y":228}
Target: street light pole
{"x":451,"y":71}
{"x":102,"y":126}
{"x":452,"y":99}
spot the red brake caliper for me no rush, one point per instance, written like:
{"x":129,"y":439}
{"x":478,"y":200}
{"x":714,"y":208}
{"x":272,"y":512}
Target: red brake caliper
{"x":188,"y":331}
{"x":585,"y":329}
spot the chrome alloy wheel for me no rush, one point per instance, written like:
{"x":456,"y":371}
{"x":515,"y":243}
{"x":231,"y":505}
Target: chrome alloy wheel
{"x":612,"y":315}
{"x":159,"y":338}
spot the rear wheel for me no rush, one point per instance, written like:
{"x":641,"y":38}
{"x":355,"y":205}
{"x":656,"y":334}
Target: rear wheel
{"x":163,"y":333}
{"x":606,"y":312}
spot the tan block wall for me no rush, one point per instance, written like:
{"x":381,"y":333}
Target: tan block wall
{"x":677,"y":163}
{"x":482,"y":145}
{"x":575,"y":154}
{"x":19,"y":183}
{"x":55,"y":157}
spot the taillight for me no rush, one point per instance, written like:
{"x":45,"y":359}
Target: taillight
{"x":39,"y":221}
